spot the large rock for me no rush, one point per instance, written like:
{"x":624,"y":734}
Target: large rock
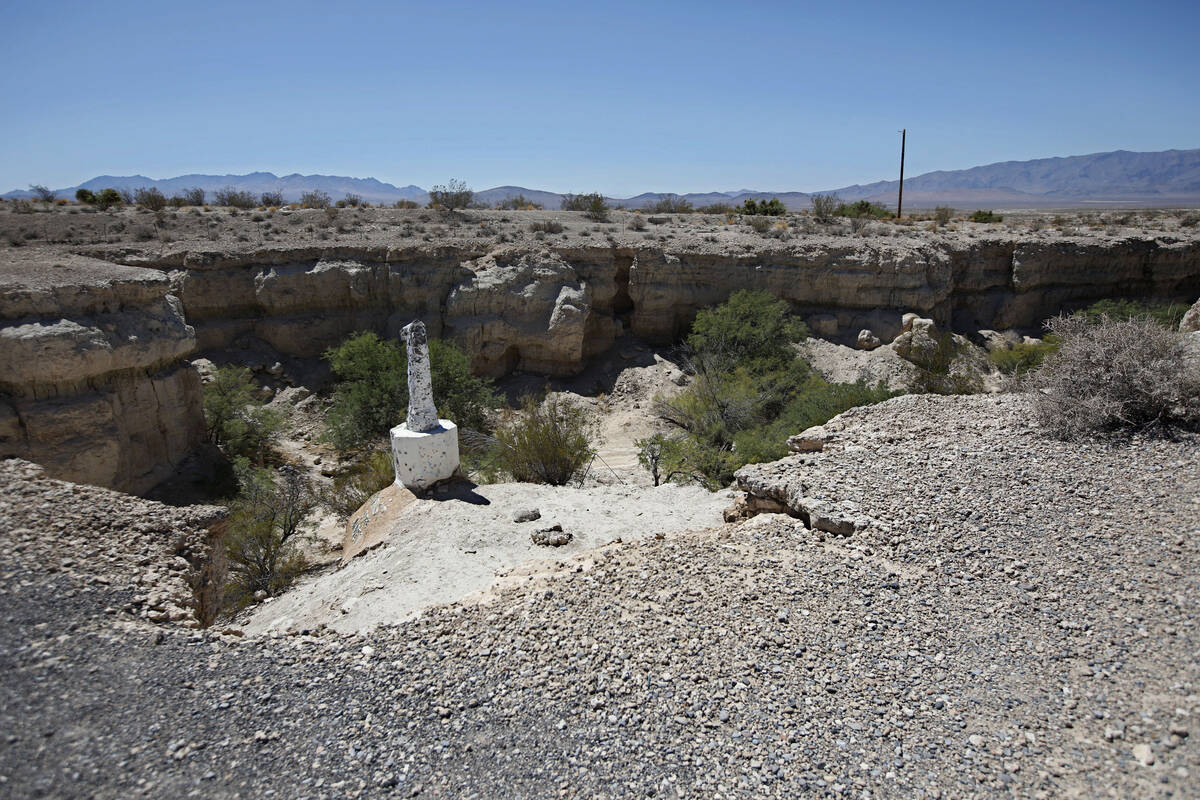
{"x":1191,"y":319}
{"x":93,"y":381}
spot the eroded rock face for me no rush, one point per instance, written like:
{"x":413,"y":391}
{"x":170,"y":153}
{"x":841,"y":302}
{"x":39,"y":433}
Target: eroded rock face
{"x":1191,"y":319}
{"x":93,"y":385}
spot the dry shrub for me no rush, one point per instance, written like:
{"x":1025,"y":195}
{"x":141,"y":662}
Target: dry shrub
{"x":1114,"y":374}
{"x":549,"y":442}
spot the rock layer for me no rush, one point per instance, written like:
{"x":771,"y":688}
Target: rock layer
{"x":93,"y":382}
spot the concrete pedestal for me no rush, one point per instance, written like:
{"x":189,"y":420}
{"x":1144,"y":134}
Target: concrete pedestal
{"x":422,"y":458}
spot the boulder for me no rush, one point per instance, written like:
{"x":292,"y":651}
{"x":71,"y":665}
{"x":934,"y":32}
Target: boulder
{"x":810,"y":440}
{"x":867,"y":340}
{"x":1191,"y":319}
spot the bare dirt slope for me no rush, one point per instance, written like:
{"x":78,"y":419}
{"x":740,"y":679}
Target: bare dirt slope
{"x":1019,"y":619}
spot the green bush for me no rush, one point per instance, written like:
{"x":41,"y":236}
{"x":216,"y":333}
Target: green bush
{"x":764,"y":208}
{"x":371,"y":395}
{"x":271,"y":199}
{"x":547,"y":226}
{"x":1167,"y":315}
{"x":592,"y":205}
{"x":986,"y":216}
{"x":372,"y":473}
{"x":1021,"y":357}
{"x":824,"y":206}
{"x":863,"y":209}
{"x":108,"y":198}
{"x":751,"y":328}
{"x":451,"y":196}
{"x":85,"y":196}
{"x":266,"y":522}
{"x":234,"y":198}
{"x":236,"y":422}
{"x":549,"y":442}
{"x":944,"y":370}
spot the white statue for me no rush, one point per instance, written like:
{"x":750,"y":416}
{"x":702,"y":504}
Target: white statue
{"x":422,"y":413}
{"x":424,"y":448}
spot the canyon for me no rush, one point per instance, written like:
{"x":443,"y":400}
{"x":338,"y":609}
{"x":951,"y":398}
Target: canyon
{"x":101,"y":313}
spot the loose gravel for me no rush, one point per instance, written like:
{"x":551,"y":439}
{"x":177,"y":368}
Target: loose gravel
{"x":1018,"y":618}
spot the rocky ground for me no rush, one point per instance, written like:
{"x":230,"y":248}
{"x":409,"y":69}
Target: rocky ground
{"x":1011,"y":615}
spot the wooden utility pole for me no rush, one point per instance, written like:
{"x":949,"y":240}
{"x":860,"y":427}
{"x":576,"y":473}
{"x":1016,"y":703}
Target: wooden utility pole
{"x":900,"y":199}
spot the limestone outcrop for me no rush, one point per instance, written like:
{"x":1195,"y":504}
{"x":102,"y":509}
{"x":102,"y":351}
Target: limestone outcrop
{"x":1191,"y":319}
{"x":93,"y":382}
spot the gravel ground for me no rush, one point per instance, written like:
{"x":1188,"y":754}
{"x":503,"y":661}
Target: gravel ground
{"x":1018,"y":618}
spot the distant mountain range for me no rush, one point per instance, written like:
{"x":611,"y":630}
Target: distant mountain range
{"x":1170,"y":177}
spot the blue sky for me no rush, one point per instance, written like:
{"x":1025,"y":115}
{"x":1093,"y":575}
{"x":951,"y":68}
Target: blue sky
{"x":617,"y":97}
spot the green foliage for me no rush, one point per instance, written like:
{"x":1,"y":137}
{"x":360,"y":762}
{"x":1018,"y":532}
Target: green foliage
{"x":85,"y":196}
{"x":271,"y":199}
{"x":764,"y":208}
{"x":548,"y":442}
{"x":863,"y":209}
{"x":986,"y":216}
{"x":751,"y":328}
{"x":1167,"y":315}
{"x":266,"y":522}
{"x":371,"y":395}
{"x":451,"y":196}
{"x":719,"y":208}
{"x":592,"y":205}
{"x":546,"y":226}
{"x":108,"y":198}
{"x":942,"y":371}
{"x":1021,"y":357}
{"x":407,"y":204}
{"x":518,"y":203}
{"x":314,"y":199}
{"x":824,"y":206}
{"x":372,"y":473}
{"x":671,"y":204}
{"x":236,"y":422}
{"x":193,"y":196}
{"x":150,"y":199}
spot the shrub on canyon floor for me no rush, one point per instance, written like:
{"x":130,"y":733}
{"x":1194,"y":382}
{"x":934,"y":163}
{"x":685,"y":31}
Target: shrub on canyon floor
{"x":551,"y":441}
{"x":235,"y":421}
{"x":1113,"y":374}
{"x":1023,"y":357}
{"x":1166,"y":314}
{"x":266,"y":523}
{"x":947,"y":367}
{"x":371,"y":395}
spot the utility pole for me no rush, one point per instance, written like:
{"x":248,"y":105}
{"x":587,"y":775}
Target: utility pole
{"x":900,"y":199}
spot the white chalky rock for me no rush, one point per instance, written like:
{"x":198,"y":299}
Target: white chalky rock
{"x":424,"y":448}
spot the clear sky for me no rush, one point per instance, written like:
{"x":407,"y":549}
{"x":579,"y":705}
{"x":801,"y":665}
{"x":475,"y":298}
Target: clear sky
{"x":610,"y":96}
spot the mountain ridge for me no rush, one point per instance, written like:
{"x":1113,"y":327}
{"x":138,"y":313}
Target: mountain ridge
{"x":1115,"y":176}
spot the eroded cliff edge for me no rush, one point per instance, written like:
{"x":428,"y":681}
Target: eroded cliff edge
{"x":94,"y":384}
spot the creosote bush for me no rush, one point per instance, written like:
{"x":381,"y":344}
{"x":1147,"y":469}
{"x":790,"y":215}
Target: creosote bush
{"x":314,"y":199}
{"x":150,"y":199}
{"x":862,"y":209}
{"x":549,"y":442}
{"x":764,"y":208}
{"x":108,"y":198}
{"x":824,"y":206}
{"x":943,"y":214}
{"x":671,"y":204}
{"x":451,"y":196}
{"x":271,"y":199}
{"x":1114,"y":374}
{"x":234,"y":198}
{"x":593,"y":205}
{"x":986,"y":216}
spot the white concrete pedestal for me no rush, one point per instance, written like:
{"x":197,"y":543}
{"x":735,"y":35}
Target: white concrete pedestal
{"x":422,"y":458}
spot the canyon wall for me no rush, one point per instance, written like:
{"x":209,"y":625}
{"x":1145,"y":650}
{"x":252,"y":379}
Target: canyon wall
{"x":546,"y":309}
{"x":93,"y":381}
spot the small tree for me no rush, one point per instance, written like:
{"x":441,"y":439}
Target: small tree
{"x":271,"y":199}
{"x":150,"y":199}
{"x":764,"y":208}
{"x":42,"y":194}
{"x":592,"y":205}
{"x":314,"y":199}
{"x":824,"y":206}
{"x":267,"y":519}
{"x":235,"y":421}
{"x":193,"y":196}
{"x":85,"y":196}
{"x":108,"y":198}
{"x":235,"y":198}
{"x":451,"y":196}
{"x":353,"y":200}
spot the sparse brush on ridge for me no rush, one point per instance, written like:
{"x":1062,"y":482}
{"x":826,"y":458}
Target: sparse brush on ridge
{"x":1115,"y":374}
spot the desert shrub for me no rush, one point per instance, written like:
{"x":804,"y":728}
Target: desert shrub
{"x":985,"y":216}
{"x":1166,"y":314}
{"x":671,"y":204}
{"x":764,"y":208}
{"x":637,"y":223}
{"x":1114,"y":374}
{"x":547,"y":442}
{"x":42,"y":194}
{"x":271,"y":199}
{"x":862,"y":209}
{"x":353,"y":200}
{"x":824,"y":205}
{"x":1022,"y":357}
{"x":944,"y":370}
{"x":267,"y":520}
{"x":751,"y":328}
{"x":235,"y":198}
{"x":943,"y":214}
{"x":718,"y":208}
{"x":85,"y":196}
{"x":370,"y":474}
{"x":547,"y":226}
{"x":235,"y":421}
{"x":518,"y":203}
{"x":21,"y":206}
{"x":451,"y":196}
{"x":1190,"y":221}
{"x":759,"y":224}
{"x":407,"y":204}
{"x":592,"y":205}
{"x":108,"y":198}
{"x":150,"y":198}
{"x":314,"y":199}
{"x":193,"y":196}
{"x":371,"y":395}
